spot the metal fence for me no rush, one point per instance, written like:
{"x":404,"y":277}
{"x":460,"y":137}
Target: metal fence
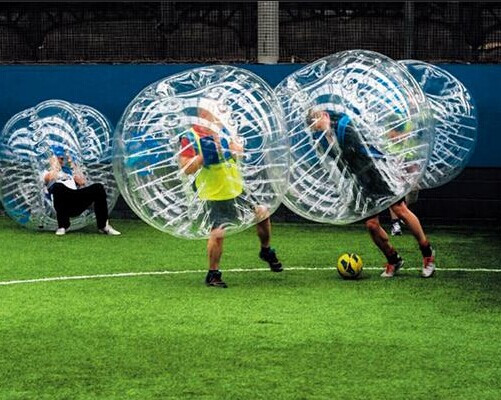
{"x":228,"y":32}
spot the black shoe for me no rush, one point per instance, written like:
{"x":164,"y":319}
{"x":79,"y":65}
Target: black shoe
{"x":270,"y":257}
{"x":213,"y":278}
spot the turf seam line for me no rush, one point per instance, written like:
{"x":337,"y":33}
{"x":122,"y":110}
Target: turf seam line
{"x":202,"y":271}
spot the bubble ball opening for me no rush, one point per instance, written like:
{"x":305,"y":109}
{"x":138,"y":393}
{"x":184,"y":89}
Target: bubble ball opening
{"x":203,"y":149}
{"x":359,"y":130}
{"x":79,"y":133}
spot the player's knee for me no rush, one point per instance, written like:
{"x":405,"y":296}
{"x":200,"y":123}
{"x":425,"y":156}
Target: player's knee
{"x":400,"y":210}
{"x":217,"y":234}
{"x":262,"y":213}
{"x":372,"y":224}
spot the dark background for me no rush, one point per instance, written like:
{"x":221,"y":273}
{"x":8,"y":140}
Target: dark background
{"x":165,"y":31}
{"x":35,"y":36}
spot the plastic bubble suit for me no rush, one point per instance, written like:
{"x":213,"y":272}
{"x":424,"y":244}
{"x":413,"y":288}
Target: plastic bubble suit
{"x":455,"y":117}
{"x":26,"y":147}
{"x":202,"y":149}
{"x":359,"y":130}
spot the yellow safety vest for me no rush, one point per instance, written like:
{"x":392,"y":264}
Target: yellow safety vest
{"x":221,"y":181}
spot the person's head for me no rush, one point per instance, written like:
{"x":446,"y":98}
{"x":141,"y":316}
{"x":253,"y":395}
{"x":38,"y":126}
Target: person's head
{"x":59,"y":153}
{"x":206,"y":118}
{"x":206,"y":115}
{"x":318,"y":120}
{"x":398,"y":125}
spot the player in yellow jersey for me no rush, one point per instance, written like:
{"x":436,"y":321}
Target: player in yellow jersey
{"x":214,"y":158}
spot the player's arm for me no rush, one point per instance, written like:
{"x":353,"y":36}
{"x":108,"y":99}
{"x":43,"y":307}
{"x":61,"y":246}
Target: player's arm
{"x":192,"y":164}
{"x":79,"y":179}
{"x":78,"y":175}
{"x":236,"y":148}
{"x":189,"y":161}
{"x":52,"y":173}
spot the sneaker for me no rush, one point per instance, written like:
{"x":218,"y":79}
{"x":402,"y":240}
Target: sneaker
{"x":391,"y":269}
{"x":60,"y":231}
{"x":396,"y":230}
{"x":109,"y":230}
{"x":428,"y":266}
{"x":213,"y":278}
{"x":270,"y":257}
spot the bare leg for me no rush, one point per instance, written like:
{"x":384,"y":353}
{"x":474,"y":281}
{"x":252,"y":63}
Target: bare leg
{"x":267,"y":254}
{"x":264,"y":232}
{"x":402,"y":211}
{"x":379,"y":236}
{"x":381,"y":239}
{"x":417,"y":230}
{"x":215,"y":247}
{"x":393,"y":216}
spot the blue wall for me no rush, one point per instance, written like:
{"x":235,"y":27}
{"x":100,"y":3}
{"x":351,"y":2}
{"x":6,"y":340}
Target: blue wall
{"x":109,"y":88}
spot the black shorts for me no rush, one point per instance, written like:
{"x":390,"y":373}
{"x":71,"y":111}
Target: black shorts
{"x":223,"y":212}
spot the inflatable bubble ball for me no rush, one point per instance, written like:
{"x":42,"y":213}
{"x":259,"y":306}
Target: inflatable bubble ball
{"x":203,"y":149}
{"x":359,"y":130}
{"x":455,"y":116}
{"x":33,"y":139}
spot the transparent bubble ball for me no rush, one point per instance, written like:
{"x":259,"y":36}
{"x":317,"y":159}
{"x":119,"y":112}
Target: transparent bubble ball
{"x":26,"y":146}
{"x":359,"y":130}
{"x":455,"y":116}
{"x":203,"y":149}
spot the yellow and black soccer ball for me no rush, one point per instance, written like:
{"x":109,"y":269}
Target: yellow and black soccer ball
{"x":350,"y":266}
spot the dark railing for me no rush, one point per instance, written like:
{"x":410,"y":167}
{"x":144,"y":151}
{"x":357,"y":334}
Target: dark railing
{"x":226,"y":31}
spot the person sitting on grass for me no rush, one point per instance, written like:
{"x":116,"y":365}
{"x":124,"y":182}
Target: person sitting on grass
{"x":66,"y":185}
{"x":219,"y":183}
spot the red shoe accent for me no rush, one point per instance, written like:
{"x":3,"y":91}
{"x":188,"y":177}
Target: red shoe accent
{"x":428,"y":260}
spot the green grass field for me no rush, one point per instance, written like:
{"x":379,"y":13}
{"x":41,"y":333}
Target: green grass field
{"x":294,"y":335}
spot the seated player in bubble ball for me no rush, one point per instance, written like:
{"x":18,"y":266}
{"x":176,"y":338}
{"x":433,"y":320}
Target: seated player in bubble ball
{"x":66,"y":185}
{"x":220,"y":184}
{"x":339,"y":133}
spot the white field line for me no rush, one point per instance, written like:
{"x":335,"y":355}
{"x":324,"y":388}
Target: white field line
{"x":199,"y":271}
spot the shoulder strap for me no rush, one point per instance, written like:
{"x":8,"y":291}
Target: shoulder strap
{"x":193,"y":137}
{"x":341,"y":128}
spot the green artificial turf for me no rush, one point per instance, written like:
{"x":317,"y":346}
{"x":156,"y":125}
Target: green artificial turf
{"x":294,"y":335}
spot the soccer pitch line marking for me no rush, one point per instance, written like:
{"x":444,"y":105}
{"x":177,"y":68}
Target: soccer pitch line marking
{"x":203,"y":271}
